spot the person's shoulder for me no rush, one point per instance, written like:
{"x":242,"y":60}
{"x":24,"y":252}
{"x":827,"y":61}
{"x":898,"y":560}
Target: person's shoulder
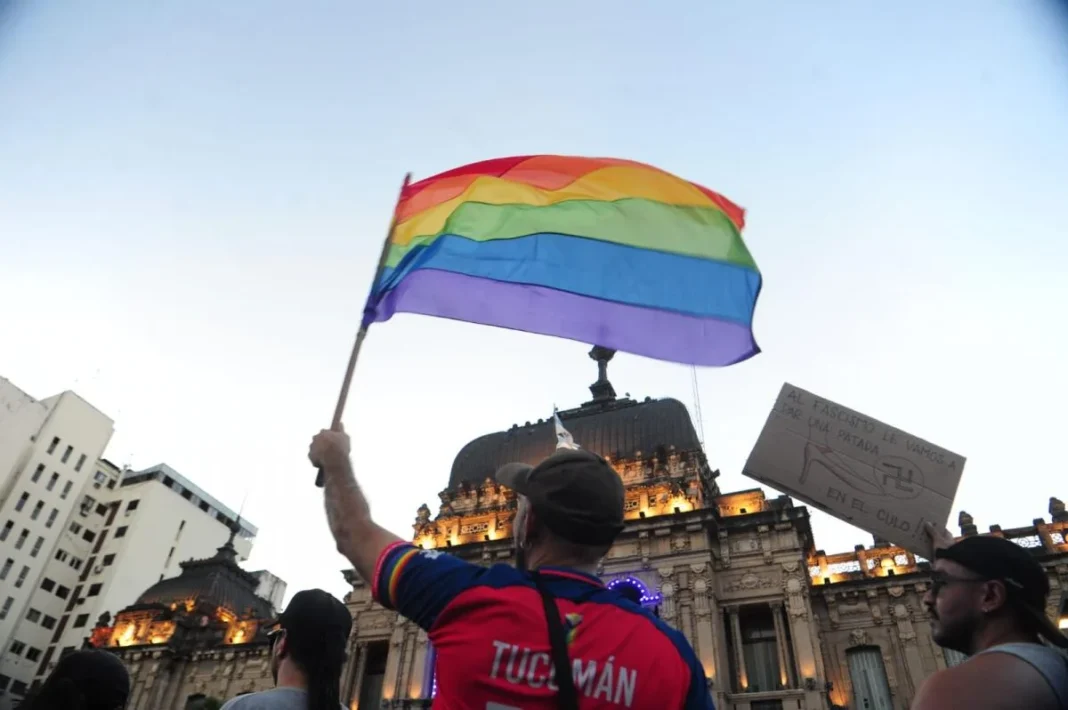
{"x":987,"y":681}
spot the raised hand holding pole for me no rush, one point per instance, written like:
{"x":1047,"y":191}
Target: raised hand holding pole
{"x":343,"y":396}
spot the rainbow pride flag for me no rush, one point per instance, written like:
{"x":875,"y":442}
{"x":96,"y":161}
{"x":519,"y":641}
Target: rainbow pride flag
{"x":602,"y":251}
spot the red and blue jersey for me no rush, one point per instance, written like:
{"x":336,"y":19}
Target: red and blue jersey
{"x":492,"y":640}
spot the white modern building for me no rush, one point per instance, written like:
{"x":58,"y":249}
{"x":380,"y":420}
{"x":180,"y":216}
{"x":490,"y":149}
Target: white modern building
{"x":48,"y":452}
{"x":80,"y":538}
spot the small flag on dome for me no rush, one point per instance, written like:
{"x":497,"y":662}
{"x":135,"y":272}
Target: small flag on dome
{"x":564,"y":440}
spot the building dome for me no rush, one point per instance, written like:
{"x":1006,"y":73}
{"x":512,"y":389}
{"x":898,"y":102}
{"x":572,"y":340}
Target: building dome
{"x":216,"y":582}
{"x":611,"y":427}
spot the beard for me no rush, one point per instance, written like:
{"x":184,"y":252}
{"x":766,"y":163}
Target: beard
{"x":955,"y":634}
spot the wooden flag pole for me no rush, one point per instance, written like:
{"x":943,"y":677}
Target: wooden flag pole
{"x":343,"y":396}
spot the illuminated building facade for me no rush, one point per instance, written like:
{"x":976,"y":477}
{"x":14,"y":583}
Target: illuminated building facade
{"x":202,"y":634}
{"x":777,"y":623}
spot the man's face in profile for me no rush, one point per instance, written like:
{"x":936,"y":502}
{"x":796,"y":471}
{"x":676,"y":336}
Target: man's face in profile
{"x":954,"y":603}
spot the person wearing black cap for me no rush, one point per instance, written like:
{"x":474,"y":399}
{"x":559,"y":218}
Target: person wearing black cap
{"x":83,"y":680}
{"x":987,"y":600}
{"x":307,"y":656}
{"x":543,"y":634}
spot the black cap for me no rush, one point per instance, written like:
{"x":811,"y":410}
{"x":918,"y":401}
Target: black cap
{"x":1027,"y":583}
{"x":577,"y":494}
{"x":317,"y":626}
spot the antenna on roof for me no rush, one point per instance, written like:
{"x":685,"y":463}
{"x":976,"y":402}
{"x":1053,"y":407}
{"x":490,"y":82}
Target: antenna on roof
{"x":697,"y":407}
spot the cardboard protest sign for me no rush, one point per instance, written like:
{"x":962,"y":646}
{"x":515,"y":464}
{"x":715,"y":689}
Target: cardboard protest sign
{"x":881,"y":479}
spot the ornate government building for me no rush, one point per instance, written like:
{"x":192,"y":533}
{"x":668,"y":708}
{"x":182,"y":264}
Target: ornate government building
{"x":778,"y":623}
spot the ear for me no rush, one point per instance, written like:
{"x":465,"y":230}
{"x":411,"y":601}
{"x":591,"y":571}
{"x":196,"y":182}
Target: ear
{"x":283,"y":646}
{"x":995,"y":596}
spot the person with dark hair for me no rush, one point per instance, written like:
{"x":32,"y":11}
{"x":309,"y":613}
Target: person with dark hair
{"x":83,"y":680}
{"x":987,"y":600}
{"x":546,"y":633}
{"x":307,"y":656}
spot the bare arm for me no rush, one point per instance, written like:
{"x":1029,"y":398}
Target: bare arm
{"x":358,"y":537}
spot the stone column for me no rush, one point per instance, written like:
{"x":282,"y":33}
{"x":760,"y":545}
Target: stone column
{"x":417,"y":676}
{"x":352,"y":657}
{"x":357,"y":680}
{"x":907,"y":635}
{"x":786,"y":674}
{"x":391,"y":688}
{"x":706,"y":645}
{"x":739,"y":656}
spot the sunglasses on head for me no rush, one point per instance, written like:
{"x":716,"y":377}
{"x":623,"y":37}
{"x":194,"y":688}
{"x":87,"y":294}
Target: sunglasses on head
{"x":273,"y":636}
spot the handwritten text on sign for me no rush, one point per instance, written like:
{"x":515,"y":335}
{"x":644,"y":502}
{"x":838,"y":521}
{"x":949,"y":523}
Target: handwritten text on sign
{"x":879,"y":478}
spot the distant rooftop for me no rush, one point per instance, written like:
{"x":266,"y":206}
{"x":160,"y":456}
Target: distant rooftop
{"x":187,"y":489}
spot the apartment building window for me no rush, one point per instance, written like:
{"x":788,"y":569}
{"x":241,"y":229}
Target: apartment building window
{"x":18,"y":687}
{"x":76,"y":562}
{"x":37,"y":546}
{"x":52,"y":481}
{"x":81,"y":462}
{"x":33,"y":654}
{"x":101,"y":509}
{"x":99,"y":477}
{"x":49,"y":622}
{"x":17,"y":647}
{"x":21,"y":503}
{"x":48,"y":585}
{"x":61,"y":555}
{"x":37,"y":510}
{"x":80,"y":621}
{"x":4,"y":680}
{"x":132,"y":505}
{"x":62,"y":592}
{"x":88,"y":535}
{"x":67,"y":453}
{"x":108,"y":559}
{"x":6,"y":530}
{"x":120,"y":532}
{"x":66,"y":489}
{"x":94,"y":589}
{"x":6,"y":608}
{"x":8,"y":564}
{"x":53,"y":445}
{"x":37,"y":473}
{"x":33,"y":615}
{"x":23,"y":573}
{"x":75,"y":528}
{"x":22,"y":539}
{"x":52,"y":518}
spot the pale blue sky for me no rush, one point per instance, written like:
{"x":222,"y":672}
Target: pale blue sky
{"x":193,"y":193}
